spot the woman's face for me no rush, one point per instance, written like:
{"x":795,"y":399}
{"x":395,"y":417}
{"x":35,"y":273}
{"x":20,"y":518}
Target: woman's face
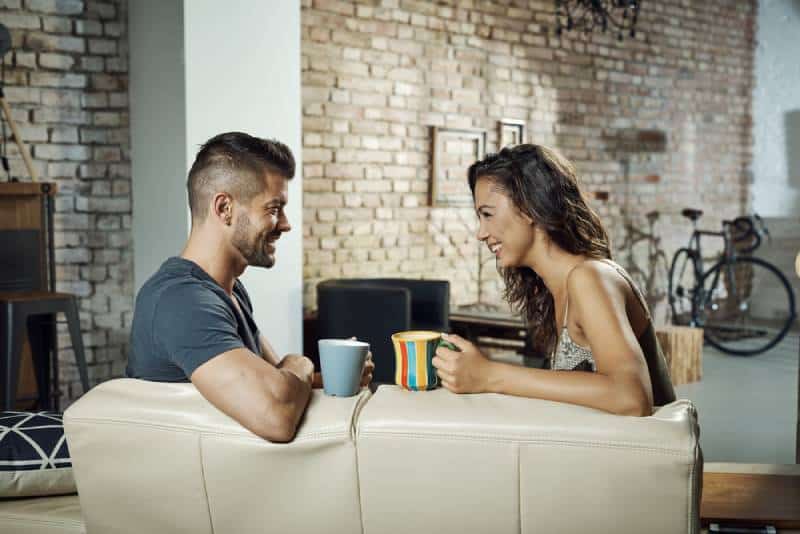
{"x":507,"y":232}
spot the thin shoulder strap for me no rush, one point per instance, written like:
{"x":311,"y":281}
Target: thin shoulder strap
{"x":566,"y":301}
{"x":636,"y":290}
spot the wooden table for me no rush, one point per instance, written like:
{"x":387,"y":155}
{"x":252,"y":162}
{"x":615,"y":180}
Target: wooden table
{"x":493,"y":330}
{"x":751,"y":494}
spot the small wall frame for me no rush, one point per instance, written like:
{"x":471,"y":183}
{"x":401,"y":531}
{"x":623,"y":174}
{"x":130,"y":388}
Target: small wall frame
{"x":510,"y":132}
{"x":453,"y":151}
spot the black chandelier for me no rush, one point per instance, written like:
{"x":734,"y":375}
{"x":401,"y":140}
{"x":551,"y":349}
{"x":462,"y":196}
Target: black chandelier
{"x":586,"y":15}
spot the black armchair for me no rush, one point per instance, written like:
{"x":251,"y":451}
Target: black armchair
{"x":373,"y":309}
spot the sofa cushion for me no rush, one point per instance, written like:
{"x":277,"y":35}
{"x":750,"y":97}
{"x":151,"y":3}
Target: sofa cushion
{"x":41,"y":515}
{"x":544,"y":466}
{"x":34,"y":459}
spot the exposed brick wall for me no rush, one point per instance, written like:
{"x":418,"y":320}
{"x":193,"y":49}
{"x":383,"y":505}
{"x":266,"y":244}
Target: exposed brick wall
{"x":377,"y":74}
{"x":66,"y":82}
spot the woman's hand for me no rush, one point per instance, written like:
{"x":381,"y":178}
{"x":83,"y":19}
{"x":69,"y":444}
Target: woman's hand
{"x":462,"y":372}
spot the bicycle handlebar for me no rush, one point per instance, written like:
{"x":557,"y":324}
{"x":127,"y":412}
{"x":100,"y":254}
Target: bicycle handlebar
{"x":762,"y":226}
{"x":748,"y":227}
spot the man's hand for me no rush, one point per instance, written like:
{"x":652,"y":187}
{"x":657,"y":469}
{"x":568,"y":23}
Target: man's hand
{"x":366,"y":372}
{"x":461,"y":372}
{"x":300,"y":366}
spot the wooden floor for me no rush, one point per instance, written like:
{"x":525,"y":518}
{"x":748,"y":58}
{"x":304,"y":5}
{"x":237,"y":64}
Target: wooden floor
{"x":751,"y":494}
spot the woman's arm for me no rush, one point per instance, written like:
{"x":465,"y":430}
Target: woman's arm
{"x":469,"y":371}
{"x":621,"y":384}
{"x":616,"y":394}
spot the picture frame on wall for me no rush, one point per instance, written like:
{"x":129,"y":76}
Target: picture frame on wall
{"x":510,"y":132}
{"x":453,"y":150}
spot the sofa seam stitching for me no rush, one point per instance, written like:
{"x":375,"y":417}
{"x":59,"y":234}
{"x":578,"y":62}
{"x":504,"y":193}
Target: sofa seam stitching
{"x":362,"y":433}
{"x":590,"y":444}
{"x":28,"y":520}
{"x":354,"y":430}
{"x":689,"y":489}
{"x":205,"y":432}
{"x":693,"y":482}
{"x":519,"y":485}
{"x":358,"y":486}
{"x":205,"y":486}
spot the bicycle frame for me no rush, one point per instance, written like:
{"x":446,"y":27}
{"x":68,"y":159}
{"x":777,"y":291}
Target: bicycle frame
{"x":728,"y":257}
{"x":728,"y":254}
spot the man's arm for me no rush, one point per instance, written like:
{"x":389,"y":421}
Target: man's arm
{"x":266,"y":400}
{"x":269,"y":354}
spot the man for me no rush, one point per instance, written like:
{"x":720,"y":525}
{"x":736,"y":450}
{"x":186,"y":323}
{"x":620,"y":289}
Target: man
{"x":193,"y":318}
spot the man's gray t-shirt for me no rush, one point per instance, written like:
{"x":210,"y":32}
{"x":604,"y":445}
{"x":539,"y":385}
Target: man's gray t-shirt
{"x":182,"y":319}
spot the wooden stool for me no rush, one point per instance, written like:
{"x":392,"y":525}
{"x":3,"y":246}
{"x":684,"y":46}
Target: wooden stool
{"x":683,"y":350}
{"x":15,"y":310}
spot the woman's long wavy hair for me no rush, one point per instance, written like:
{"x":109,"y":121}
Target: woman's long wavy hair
{"x":543,"y":185}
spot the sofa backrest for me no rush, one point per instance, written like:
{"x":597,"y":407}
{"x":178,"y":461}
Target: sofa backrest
{"x":496,"y":463}
{"x":156,"y":457}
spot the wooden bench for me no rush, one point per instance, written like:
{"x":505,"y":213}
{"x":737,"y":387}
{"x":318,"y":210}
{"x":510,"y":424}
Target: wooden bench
{"x":751,"y":495}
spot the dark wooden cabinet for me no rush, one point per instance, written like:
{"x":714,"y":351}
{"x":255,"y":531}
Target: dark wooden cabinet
{"x":27,"y":264}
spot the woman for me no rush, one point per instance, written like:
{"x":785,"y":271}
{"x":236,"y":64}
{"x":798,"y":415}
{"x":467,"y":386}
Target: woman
{"x":554,"y":255}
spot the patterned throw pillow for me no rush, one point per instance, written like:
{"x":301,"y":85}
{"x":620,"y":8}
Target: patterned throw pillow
{"x":34,"y":459}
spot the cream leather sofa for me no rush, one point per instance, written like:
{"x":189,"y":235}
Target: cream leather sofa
{"x":157,"y":458}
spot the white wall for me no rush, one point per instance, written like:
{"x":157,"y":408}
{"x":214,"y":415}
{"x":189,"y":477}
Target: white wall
{"x":158,"y":133}
{"x":243,"y":73}
{"x":240,"y":68}
{"x":776,"y":110}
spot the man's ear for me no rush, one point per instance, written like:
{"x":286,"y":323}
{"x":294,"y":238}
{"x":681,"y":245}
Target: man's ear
{"x":222,"y":208}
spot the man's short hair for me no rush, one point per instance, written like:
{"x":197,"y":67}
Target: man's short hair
{"x":235,"y":162}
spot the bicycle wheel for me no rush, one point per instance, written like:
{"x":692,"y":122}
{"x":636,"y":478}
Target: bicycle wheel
{"x":683,"y":276}
{"x":747,"y":306}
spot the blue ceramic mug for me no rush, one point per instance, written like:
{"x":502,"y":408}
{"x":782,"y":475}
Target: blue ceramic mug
{"x":341,"y":362}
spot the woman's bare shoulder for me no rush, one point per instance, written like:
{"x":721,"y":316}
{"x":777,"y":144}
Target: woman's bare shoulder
{"x":591,"y":273}
{"x":593,"y":277}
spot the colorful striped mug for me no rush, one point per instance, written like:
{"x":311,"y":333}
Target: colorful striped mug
{"x":413,"y":352}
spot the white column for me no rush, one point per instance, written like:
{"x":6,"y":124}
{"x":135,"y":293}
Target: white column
{"x":776,"y":110}
{"x":158,"y":134}
{"x":241,"y":71}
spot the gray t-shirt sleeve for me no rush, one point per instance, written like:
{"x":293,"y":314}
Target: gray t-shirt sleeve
{"x":193,"y":325}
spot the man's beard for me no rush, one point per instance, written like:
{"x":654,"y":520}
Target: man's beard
{"x":254,"y":251}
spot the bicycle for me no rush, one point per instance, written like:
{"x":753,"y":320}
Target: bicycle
{"x":639,"y":245}
{"x":719,"y":299}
